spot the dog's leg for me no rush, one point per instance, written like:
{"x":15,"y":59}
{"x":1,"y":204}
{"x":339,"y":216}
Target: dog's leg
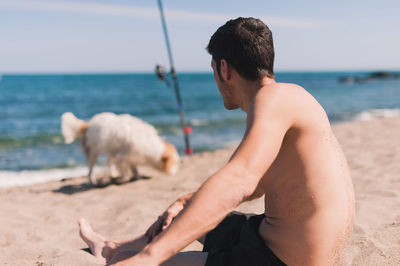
{"x":127,"y":172}
{"x":113,"y":171}
{"x":135,"y":173}
{"x":118,"y":167}
{"x":92,"y":158}
{"x":112,"y":167}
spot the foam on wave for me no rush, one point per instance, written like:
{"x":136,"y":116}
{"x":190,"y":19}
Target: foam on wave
{"x":371,"y":114}
{"x":28,"y":177}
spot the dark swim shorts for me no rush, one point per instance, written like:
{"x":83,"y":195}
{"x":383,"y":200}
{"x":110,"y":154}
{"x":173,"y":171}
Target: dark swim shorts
{"x":236,"y":242}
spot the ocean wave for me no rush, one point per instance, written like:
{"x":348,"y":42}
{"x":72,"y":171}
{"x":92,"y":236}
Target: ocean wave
{"x":376,"y":113}
{"x":199,"y":122}
{"x":28,"y":177}
{"x":29,"y":141}
{"x":201,"y":125}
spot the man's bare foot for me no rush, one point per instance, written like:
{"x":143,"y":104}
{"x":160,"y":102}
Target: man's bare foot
{"x":98,"y":245}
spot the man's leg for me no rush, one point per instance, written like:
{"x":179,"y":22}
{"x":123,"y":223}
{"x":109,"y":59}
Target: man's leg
{"x":106,"y":249}
{"x":192,"y":258}
{"x":202,"y":239}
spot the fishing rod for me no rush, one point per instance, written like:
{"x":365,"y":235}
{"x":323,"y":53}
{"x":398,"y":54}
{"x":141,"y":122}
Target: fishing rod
{"x":161,"y":76}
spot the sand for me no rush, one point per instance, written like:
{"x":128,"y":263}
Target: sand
{"x":38,"y":222}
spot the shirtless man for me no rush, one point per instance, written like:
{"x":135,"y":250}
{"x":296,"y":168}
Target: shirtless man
{"x":288,"y":154}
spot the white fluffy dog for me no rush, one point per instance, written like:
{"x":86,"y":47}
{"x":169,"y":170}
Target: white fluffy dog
{"x":127,"y":141}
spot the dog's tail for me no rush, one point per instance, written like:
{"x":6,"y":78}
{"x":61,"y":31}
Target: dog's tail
{"x":72,"y":127}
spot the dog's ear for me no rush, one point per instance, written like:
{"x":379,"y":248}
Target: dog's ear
{"x":169,"y":159}
{"x":167,"y":163}
{"x":164,"y":162}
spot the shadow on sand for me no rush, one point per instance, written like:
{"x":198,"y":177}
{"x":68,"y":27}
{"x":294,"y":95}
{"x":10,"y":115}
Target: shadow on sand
{"x":76,"y":188}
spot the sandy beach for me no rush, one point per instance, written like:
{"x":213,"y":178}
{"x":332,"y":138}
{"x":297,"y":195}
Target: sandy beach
{"x":38,"y":224}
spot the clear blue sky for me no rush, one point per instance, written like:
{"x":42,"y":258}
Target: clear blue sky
{"x":126,"y":36}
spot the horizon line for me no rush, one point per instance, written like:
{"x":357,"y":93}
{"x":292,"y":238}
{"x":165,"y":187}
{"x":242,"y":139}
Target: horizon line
{"x":15,"y":73}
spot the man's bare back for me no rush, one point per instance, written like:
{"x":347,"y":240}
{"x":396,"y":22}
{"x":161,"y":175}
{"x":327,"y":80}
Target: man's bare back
{"x":309,"y":199}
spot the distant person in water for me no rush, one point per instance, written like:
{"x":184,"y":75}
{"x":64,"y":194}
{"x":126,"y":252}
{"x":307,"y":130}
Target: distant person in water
{"x":288,"y":155}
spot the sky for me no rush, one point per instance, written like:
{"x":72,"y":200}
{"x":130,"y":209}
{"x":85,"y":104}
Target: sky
{"x":98,"y":36}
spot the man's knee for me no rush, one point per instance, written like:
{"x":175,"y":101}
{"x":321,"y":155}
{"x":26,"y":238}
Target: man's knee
{"x":122,"y":256}
{"x":202,"y":239}
{"x":192,"y":258}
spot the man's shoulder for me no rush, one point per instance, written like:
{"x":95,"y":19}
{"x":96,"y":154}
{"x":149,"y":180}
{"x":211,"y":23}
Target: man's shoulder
{"x":283,"y":87}
{"x":279,"y":95}
{"x":290,"y":101}
{"x":281,"y":90}
{"x":272,"y":104}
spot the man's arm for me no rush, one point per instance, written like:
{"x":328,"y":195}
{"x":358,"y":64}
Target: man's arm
{"x":258,"y":193}
{"x":236,"y":182}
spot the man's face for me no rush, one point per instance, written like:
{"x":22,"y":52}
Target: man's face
{"x":223,"y":88}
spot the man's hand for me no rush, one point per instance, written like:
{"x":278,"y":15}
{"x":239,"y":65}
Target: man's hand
{"x":165,"y":219}
{"x":130,"y":257}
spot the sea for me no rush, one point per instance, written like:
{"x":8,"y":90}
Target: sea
{"x":32,"y":148}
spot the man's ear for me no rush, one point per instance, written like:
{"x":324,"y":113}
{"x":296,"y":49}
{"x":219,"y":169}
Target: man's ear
{"x":225,"y":69}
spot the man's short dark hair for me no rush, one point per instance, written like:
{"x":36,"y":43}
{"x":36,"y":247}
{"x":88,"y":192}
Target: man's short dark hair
{"x":246,"y":44}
